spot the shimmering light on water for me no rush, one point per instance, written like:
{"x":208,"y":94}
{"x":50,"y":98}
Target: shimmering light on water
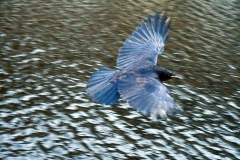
{"x":48,"y":50}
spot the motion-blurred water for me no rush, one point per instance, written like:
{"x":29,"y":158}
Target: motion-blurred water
{"x":49,"y":50}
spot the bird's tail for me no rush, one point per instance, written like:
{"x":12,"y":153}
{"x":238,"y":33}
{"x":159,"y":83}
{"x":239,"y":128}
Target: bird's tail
{"x":102,"y":86}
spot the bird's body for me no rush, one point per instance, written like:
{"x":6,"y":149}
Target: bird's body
{"x":138,"y":80}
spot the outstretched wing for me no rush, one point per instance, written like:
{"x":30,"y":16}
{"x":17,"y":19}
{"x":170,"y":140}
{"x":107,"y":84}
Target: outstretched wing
{"x":145,"y":43}
{"x":147,"y":95}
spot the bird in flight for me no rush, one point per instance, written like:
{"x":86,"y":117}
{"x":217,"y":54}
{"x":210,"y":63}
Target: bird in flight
{"x":137,"y":79}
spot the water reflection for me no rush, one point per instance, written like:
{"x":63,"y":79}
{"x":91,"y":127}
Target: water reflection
{"x":49,"y":50}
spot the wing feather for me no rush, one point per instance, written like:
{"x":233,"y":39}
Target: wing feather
{"x":145,"y":43}
{"x":147,"y":95}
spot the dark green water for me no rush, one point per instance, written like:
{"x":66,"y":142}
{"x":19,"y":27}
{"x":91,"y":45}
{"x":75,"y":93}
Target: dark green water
{"x":48,"y":51}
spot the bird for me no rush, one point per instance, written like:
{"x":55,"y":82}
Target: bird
{"x":137,"y":78}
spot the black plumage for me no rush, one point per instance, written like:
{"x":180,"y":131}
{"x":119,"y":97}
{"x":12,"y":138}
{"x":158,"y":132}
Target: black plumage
{"x":138,"y":80}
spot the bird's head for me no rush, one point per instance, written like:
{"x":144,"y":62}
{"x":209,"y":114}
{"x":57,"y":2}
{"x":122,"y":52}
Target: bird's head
{"x":165,"y":74}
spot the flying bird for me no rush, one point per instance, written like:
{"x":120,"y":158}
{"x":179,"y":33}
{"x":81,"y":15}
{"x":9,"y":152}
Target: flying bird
{"x":137,"y":79}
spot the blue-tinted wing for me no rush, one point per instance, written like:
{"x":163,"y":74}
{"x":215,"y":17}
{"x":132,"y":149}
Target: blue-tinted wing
{"x":145,"y":43}
{"x":147,"y":95}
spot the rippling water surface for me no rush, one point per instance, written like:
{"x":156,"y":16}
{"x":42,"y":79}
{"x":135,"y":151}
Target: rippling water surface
{"x":49,"y":50}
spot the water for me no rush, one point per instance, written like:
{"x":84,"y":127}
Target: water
{"x":49,"y":50}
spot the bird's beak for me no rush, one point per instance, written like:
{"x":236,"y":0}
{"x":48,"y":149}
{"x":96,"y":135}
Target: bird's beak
{"x":176,"y":76}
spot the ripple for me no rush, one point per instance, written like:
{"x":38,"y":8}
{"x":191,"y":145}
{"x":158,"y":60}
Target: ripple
{"x":47,"y":59}
{"x":35,"y":51}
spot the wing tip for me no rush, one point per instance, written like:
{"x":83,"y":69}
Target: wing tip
{"x":165,"y":111}
{"x":151,"y":34}
{"x":160,"y":113}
